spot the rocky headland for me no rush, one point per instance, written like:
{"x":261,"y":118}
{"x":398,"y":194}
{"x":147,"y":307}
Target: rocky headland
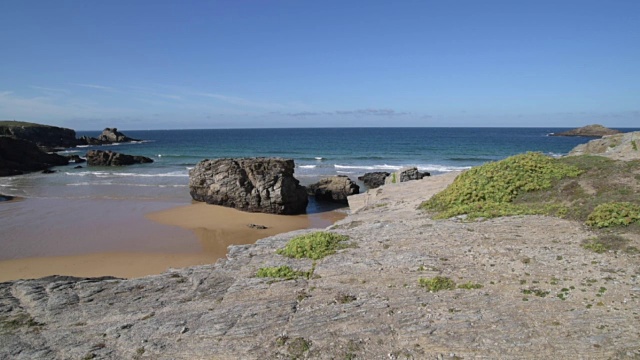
{"x":589,"y":131}
{"x":249,"y":184}
{"x":25,"y":147}
{"x":523,"y":287}
{"x":618,"y":147}
{"x":18,"y":156}
{"x":48,"y":138}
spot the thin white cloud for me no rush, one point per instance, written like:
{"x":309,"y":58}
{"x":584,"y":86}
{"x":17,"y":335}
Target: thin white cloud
{"x":243,"y":102}
{"x":94,"y":86}
{"x":49,"y":89}
{"x":359,"y":112}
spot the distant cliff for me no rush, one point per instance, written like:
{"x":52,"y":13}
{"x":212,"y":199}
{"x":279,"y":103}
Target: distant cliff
{"x":48,"y":138}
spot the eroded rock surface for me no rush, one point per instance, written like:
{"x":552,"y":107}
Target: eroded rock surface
{"x":249,"y":184}
{"x":110,"y":158}
{"x":334,"y":189}
{"x":404,"y":175}
{"x":108,"y":136}
{"x":618,"y":147}
{"x":374,"y":180}
{"x":543,"y":296}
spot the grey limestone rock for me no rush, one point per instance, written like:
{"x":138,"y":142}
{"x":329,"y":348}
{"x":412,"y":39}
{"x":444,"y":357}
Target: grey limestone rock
{"x":249,"y":184}
{"x":334,"y":189}
{"x":404,"y":175}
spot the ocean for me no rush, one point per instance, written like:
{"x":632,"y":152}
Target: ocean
{"x":316,"y":152}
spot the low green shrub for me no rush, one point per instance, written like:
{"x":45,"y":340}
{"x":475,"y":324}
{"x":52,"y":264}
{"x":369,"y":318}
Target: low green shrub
{"x":470,"y":286}
{"x":437,"y":283}
{"x":614,"y":214}
{"x":488,"y":190}
{"x":281,"y":272}
{"x":314,"y":245}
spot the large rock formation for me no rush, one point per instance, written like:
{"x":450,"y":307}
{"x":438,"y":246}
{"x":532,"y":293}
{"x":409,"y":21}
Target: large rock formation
{"x":47,"y":137}
{"x":251,"y":184}
{"x":334,"y":189}
{"x":522,"y":296}
{"x":589,"y":131}
{"x":108,"y":136}
{"x":618,"y":147}
{"x":18,"y":156}
{"x":374,"y":180}
{"x":404,"y":175}
{"x":110,"y":158}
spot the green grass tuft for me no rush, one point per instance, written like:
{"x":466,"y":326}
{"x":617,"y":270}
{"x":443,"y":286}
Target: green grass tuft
{"x":314,"y":245}
{"x":437,"y":283}
{"x":281,"y":272}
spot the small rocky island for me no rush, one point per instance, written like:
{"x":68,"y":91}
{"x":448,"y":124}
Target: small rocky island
{"x":28,"y":147}
{"x":589,"y":131}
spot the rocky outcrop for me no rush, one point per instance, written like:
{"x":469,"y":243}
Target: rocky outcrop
{"x":522,"y":296}
{"x":249,"y":184}
{"x":108,"y":136}
{"x":48,"y":138}
{"x":618,"y":147}
{"x":404,"y":175}
{"x":589,"y":131}
{"x":333,"y":189}
{"x":110,"y":158}
{"x":373,"y":180}
{"x":19,"y":156}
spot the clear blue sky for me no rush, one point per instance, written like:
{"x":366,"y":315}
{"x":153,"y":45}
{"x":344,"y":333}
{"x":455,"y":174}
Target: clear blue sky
{"x":239,"y":63}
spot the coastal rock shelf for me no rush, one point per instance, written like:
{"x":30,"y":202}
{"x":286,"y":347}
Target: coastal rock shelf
{"x":249,"y":184}
{"x":19,"y":156}
{"x":110,"y":158}
{"x":589,"y":131}
{"x":540,"y":295}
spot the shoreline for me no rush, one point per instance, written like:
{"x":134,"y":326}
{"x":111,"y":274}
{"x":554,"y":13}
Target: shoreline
{"x":139,"y":238}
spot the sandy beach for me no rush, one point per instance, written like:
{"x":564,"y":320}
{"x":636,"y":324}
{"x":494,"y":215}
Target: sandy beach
{"x":127,"y":239}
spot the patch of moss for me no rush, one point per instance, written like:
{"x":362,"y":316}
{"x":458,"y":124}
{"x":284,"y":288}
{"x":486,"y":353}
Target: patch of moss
{"x":298,"y":346}
{"x":605,"y":243}
{"x":314,"y":245}
{"x":489,"y":190}
{"x":470,"y":286}
{"x":437,"y":283}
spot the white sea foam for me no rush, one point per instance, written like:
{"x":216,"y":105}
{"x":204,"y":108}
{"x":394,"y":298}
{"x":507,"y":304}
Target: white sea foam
{"x":372,"y":167}
{"x":103,"y":174}
{"x":319,"y":158}
{"x":344,"y":172}
{"x":307,"y":166}
{"x":426,"y":167}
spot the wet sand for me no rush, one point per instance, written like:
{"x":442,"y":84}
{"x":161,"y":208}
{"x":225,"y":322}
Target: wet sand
{"x":127,"y":239}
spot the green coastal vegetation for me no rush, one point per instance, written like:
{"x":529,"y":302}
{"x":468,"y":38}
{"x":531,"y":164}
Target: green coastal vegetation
{"x":314,"y":246}
{"x":600,"y":192}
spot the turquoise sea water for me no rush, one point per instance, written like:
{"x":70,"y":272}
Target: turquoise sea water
{"x":317,"y":153}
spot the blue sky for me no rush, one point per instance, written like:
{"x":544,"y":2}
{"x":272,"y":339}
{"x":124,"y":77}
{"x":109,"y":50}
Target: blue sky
{"x":235,"y":64}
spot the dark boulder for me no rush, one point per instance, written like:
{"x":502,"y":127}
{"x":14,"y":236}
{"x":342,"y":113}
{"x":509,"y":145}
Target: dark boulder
{"x":589,"y":131}
{"x":19,"y":156}
{"x":250,"y":184}
{"x":48,"y":138}
{"x":48,"y":171}
{"x":110,"y":158}
{"x":334,"y":189}
{"x":373,"y":180}
{"x":77,"y":167}
{"x":406,"y":174}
